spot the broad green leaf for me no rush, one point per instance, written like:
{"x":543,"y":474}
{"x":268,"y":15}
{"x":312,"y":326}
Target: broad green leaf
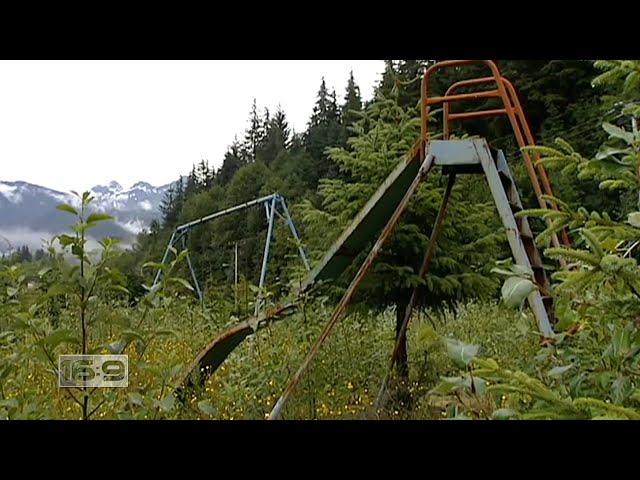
{"x":521,"y":271}
{"x":479,"y":385}
{"x":515,"y":290}
{"x":119,"y":288}
{"x":181,"y":281}
{"x":501,"y":271}
{"x":448,"y":385}
{"x":98,"y":217}
{"x":67,"y":208}
{"x":66,"y":240}
{"x":117,"y":347}
{"x":9,"y":403}
{"x":205,"y":407}
{"x":609,"y":151}
{"x":61,"y":336}
{"x":461,"y":353}
{"x":175,"y":370}
{"x":557,"y":372}
{"x":56,"y":289}
{"x":567,"y":317}
{"x":130,"y":335}
{"x":154,"y":266}
{"x":634,"y":219}
{"x":618,"y":132}
{"x":43,"y":271}
{"x":503,"y":414}
{"x":136,"y":398}
{"x":166,"y":404}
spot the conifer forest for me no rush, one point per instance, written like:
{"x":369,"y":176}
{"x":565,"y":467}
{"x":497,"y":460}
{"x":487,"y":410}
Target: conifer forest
{"x":449,"y":248}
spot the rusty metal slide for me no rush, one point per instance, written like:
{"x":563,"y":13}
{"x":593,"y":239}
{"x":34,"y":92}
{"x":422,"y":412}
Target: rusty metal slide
{"x":365,"y":227}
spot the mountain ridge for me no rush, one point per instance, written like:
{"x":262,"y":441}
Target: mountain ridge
{"x":28,"y":211}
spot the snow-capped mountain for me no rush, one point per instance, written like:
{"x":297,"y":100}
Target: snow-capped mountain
{"x":28,"y":212}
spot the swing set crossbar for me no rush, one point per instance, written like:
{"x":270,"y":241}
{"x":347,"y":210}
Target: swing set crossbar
{"x":227,"y":211}
{"x":271,"y":203}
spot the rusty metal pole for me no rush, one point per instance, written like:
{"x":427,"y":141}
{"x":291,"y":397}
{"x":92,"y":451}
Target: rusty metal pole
{"x":424,"y":269}
{"x":521,"y":124}
{"x":346,"y":298}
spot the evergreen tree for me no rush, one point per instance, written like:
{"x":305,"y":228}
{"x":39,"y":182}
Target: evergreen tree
{"x":276,"y":137}
{"x":471,"y":240}
{"x":154,"y":227}
{"x":25,"y":254}
{"x":352,"y":103}
{"x":191,"y":186}
{"x":204,"y":176}
{"x":167,"y":208}
{"x":388,"y":80}
{"x":233,"y":160}
{"x":254,"y":136}
{"x":178,"y":200}
{"x":409,"y":75}
{"x":324,"y":131}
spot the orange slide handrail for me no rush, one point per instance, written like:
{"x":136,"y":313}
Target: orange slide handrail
{"x":512,"y":108}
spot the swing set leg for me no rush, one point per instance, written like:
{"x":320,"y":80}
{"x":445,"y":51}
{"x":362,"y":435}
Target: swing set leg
{"x":294,"y":233}
{"x":265,"y":256}
{"x":193,"y":273}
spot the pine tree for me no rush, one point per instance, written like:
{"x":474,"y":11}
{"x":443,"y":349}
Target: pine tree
{"x":233,"y":160}
{"x":24,"y":254}
{"x":276,"y":138}
{"x":191,"y":186}
{"x":203,"y":176}
{"x":471,"y":239}
{"x":388,"y":80}
{"x":167,"y":208}
{"x":179,"y":197}
{"x":324,"y":131}
{"x":409,"y":76}
{"x":154,"y":227}
{"x":254,"y":136}
{"x":352,"y":103}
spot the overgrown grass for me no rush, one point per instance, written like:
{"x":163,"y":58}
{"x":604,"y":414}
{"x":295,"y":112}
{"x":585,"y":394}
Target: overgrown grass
{"x":344,"y":379}
{"x":342,"y":382}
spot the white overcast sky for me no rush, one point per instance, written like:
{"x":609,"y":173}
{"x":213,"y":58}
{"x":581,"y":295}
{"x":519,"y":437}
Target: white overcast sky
{"x":70,"y":125}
